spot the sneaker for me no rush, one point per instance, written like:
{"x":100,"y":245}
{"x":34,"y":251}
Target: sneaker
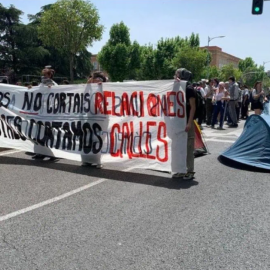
{"x":213,"y":127}
{"x":178,"y":175}
{"x":233,"y":126}
{"x":99,"y":166}
{"x":189,"y":176}
{"x":220,"y":128}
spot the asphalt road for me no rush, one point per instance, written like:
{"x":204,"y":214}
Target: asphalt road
{"x":83,"y":218}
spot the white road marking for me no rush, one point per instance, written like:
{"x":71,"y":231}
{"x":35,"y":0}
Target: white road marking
{"x":9,"y":152}
{"x":55,"y":199}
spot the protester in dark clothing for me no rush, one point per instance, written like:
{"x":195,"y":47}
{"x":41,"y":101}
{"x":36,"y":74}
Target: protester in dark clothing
{"x":239,"y":102}
{"x":246,"y":102}
{"x":99,"y":78}
{"x":190,"y":128}
{"x":201,"y":116}
{"x":234,"y":95}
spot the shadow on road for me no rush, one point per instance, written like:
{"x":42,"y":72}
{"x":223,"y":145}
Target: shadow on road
{"x":240,"y":166}
{"x":138,"y":178}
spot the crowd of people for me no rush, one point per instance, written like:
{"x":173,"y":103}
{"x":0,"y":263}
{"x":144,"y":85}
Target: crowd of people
{"x":228,"y":102}
{"x":211,"y":102}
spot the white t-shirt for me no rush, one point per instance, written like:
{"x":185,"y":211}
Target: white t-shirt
{"x":255,"y":92}
{"x":219,"y":96}
{"x":246,"y":92}
{"x":206,"y":91}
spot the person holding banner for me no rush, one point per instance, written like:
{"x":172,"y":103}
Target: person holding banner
{"x":46,"y":80}
{"x":98,"y":78}
{"x":190,"y":128}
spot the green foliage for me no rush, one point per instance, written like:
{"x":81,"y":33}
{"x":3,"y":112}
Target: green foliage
{"x":252,"y":75}
{"x":194,"y":41}
{"x":246,"y":63}
{"x":9,"y":27}
{"x":148,"y":64}
{"x":212,"y":71}
{"x":24,"y":53}
{"x":36,"y":19}
{"x":228,"y":71}
{"x":119,"y":33}
{"x":164,"y":55}
{"x":115,"y":60}
{"x":70,"y":26}
{"x":134,"y":60}
{"x":119,"y":57}
{"x":193,"y":59}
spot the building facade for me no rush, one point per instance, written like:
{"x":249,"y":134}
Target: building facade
{"x":220,"y":58}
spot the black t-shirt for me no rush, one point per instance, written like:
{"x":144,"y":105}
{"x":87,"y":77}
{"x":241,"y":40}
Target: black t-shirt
{"x":190,"y":93}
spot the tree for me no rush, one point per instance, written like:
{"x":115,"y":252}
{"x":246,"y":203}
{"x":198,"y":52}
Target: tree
{"x":212,"y":71}
{"x":193,"y":59}
{"x":9,"y":27}
{"x":194,"y":41}
{"x":252,"y":75}
{"x":228,"y":71}
{"x":32,"y":53}
{"x":246,"y":63}
{"x":164,"y":55}
{"x":148,"y":65}
{"x":70,"y":26}
{"x":135,"y":60}
{"x":119,"y":57}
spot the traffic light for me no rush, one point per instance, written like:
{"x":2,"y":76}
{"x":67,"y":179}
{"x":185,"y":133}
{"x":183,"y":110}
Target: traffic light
{"x":257,"y":7}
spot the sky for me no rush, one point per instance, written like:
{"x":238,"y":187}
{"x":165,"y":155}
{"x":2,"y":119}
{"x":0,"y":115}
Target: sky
{"x":246,"y":35}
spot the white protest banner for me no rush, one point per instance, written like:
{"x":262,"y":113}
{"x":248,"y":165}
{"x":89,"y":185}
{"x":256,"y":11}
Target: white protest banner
{"x":139,"y":124}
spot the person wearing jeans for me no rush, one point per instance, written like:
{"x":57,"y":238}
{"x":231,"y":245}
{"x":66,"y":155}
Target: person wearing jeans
{"x":219,"y":99}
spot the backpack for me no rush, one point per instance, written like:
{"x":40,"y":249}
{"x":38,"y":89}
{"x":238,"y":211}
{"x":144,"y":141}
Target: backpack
{"x":199,"y":101}
{"x":249,"y":99}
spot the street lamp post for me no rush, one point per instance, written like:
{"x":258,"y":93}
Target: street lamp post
{"x":208,"y":62}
